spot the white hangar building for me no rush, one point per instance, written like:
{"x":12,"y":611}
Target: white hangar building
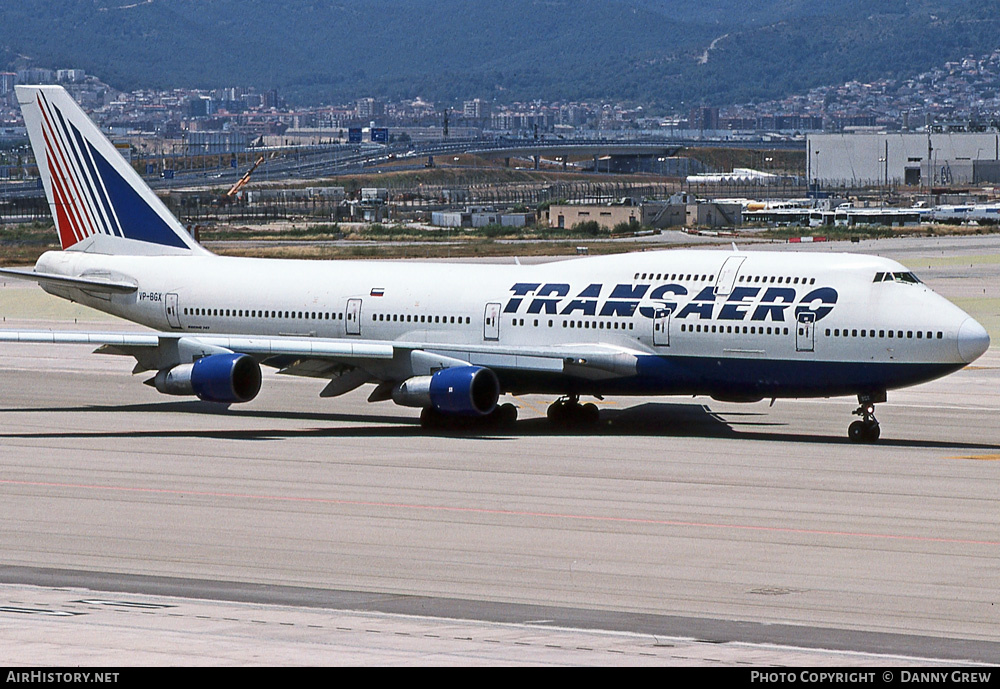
{"x":916,"y":160}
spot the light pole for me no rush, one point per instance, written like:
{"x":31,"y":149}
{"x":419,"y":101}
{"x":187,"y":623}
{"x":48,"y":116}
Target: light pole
{"x":815,"y":171}
{"x":881,"y":199}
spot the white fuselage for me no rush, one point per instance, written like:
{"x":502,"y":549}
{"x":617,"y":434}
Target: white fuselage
{"x":778,"y":323}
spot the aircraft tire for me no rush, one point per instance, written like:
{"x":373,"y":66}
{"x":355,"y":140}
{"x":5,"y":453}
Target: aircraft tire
{"x":872,"y":432}
{"x":557,"y":413}
{"x":864,"y":431}
{"x":431,"y":419}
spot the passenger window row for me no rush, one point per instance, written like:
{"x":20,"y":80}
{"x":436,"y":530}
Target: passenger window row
{"x":780,"y":279}
{"x":892,"y":334}
{"x":254,"y":313}
{"x":734,"y":329}
{"x":410,"y":318}
{"x":586,"y":325}
{"x":599,"y":325}
{"x":745,"y":279}
{"x":674,"y":276}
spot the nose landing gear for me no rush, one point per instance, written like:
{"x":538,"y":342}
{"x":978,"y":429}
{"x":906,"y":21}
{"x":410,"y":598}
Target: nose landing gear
{"x":867,"y":429}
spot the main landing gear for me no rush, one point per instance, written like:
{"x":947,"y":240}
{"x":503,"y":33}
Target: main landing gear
{"x":567,"y":412}
{"x":867,"y":429}
{"x":501,"y":418}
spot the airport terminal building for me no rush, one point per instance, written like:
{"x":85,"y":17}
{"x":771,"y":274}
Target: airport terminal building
{"x":903,"y":159}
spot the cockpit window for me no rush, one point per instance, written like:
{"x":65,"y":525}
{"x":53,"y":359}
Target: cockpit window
{"x":908,"y":278}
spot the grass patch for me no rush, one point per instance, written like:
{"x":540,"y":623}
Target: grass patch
{"x":834,"y":233}
{"x":930,"y":261}
{"x":23,"y":243}
{"x":433,"y":250}
{"x":413,"y":233}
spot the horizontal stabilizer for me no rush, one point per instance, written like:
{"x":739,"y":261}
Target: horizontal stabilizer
{"x":93,"y":284}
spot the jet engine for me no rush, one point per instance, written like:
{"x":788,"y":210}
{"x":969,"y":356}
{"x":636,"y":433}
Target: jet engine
{"x":461,"y":390}
{"x":216,"y":378}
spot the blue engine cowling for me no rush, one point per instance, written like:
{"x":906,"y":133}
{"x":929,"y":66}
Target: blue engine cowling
{"x":461,"y":390}
{"x":216,"y":378}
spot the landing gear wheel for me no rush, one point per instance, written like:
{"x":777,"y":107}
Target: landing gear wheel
{"x":503,"y":417}
{"x":432,"y":419}
{"x":867,"y":429}
{"x":507,"y":415}
{"x":589,"y":414}
{"x":556,"y":413}
{"x":567,"y":412}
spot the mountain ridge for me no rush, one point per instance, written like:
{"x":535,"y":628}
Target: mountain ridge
{"x":644,"y":51}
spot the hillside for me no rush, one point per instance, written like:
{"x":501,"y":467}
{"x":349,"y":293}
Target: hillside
{"x":660,"y":52}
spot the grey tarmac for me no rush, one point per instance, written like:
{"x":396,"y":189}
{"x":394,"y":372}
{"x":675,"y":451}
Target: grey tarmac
{"x":295,"y":530}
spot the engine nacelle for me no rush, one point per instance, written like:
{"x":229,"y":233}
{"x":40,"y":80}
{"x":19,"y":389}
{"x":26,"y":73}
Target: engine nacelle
{"x":462,"y":390}
{"x":215,"y":378}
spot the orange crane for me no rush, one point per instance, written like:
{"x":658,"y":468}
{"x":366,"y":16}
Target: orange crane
{"x":244,"y":179}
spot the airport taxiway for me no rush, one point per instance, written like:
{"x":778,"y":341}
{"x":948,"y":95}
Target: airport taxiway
{"x":730,"y":532}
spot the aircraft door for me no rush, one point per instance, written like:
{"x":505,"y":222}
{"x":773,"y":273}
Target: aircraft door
{"x":491,"y":322}
{"x":727,"y":275}
{"x":661,"y":328}
{"x":353,"y":317}
{"x":170,"y":306}
{"x":805,"y":332}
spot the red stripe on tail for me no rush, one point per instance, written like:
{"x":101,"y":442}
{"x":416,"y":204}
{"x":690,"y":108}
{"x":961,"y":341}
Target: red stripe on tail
{"x":63,"y":224}
{"x":79,"y":211}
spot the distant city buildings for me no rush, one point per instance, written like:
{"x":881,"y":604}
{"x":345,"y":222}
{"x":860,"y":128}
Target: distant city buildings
{"x":704,"y":119}
{"x":956,"y":96}
{"x":369,"y":107}
{"x":476,"y":109}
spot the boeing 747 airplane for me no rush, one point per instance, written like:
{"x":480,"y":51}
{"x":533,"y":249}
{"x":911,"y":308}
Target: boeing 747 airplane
{"x":451,"y":339}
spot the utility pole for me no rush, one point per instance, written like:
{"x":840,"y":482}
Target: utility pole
{"x":930,"y":162}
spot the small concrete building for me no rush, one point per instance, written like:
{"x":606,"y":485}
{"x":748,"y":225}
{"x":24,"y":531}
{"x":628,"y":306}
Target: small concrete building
{"x":677,"y":212}
{"x":712,"y":214}
{"x":450,"y":219}
{"x":517,"y":219}
{"x":566,"y":216}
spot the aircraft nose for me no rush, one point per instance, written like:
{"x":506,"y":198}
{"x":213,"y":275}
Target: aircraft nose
{"x":973,"y":340}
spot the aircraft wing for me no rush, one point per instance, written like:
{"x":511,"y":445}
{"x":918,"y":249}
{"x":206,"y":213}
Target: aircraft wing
{"x":348,"y":363}
{"x":262,"y":347}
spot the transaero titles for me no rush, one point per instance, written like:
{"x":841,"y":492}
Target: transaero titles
{"x":743,"y":303}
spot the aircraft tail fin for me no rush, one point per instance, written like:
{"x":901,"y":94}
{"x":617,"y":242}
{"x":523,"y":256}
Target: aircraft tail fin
{"x":99,"y":203}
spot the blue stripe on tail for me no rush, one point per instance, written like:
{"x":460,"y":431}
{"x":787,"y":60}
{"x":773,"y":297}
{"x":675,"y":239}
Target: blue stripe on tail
{"x":138,"y":220}
{"x":93,"y":173}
